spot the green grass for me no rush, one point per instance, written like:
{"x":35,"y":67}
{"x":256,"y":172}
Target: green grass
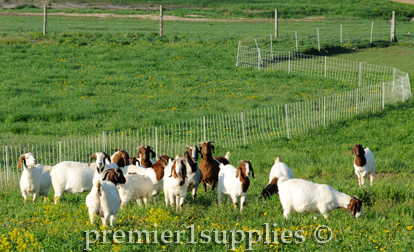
{"x":322,"y":155}
{"x":252,"y":9}
{"x":73,"y":83}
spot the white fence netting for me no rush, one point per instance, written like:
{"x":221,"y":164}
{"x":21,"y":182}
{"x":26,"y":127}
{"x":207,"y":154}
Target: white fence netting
{"x":378,"y":86}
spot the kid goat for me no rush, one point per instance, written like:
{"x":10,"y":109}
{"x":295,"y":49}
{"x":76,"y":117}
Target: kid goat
{"x":235,"y":182}
{"x":32,"y":180}
{"x":364,"y":163}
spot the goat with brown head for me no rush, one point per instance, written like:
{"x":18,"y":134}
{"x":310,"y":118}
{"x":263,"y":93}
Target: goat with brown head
{"x":208,"y":166}
{"x":145,"y":153}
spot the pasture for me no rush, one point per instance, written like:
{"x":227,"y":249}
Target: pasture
{"x":70,"y":84}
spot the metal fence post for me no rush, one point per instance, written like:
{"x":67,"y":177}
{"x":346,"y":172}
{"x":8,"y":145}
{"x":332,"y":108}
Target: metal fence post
{"x":7,"y":164}
{"x":287,"y":120}
{"x":204,"y":127}
{"x":244,"y":133}
{"x":156,"y":141}
{"x":383,"y":95}
{"x":60,"y":151}
{"x":103,"y":141}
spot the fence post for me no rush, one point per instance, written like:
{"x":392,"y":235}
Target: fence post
{"x":289,"y":64}
{"x":393,"y":79}
{"x":296,"y":38}
{"x":44,"y":19}
{"x":238,"y":54}
{"x":393,"y":38}
{"x":319,"y":45}
{"x":356,"y":103}
{"x":156,"y":141}
{"x":341,"y":35}
{"x":103,"y":141}
{"x":161,"y":27}
{"x":372,"y":31}
{"x":60,"y":151}
{"x":276,"y":23}
{"x":259,"y":58}
{"x":325,"y":66}
{"x":204,"y":127}
{"x":360,"y":74}
{"x":383,"y":95}
{"x":287,"y":120}
{"x":324,"y":111}
{"x":271,"y":46}
{"x":7,"y":164}
{"x":244,"y":134}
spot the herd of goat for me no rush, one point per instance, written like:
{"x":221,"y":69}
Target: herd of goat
{"x":140,"y":178}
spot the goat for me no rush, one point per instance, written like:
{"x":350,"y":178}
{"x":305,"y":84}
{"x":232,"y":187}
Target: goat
{"x":235,"y":182}
{"x":364,"y":163}
{"x":155,"y":173}
{"x":120,"y":158}
{"x":136,"y":187}
{"x":278,"y":170}
{"x":208,"y":165}
{"x":77,"y":177}
{"x":144,"y":155}
{"x":33,"y":180}
{"x":175,"y":182}
{"x":224,"y":160}
{"x":194,"y":174}
{"x":304,"y":196}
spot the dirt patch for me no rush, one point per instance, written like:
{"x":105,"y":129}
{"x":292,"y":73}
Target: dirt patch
{"x":384,"y":175}
{"x":404,"y":1}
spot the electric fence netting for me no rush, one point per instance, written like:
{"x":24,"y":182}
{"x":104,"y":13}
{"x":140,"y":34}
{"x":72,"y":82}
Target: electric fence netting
{"x":377,"y":86}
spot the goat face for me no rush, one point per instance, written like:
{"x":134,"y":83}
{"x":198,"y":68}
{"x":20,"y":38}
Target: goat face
{"x":245,"y":168}
{"x":193,"y":152}
{"x":206,"y":149}
{"x":116,"y":176}
{"x":145,"y":151}
{"x":178,"y":170}
{"x":28,"y":160}
{"x":358,"y":150}
{"x":355,"y":206}
{"x":100,"y":160}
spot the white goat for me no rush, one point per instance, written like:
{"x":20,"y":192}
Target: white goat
{"x":304,"y":196}
{"x":194,"y":174}
{"x":280,"y":169}
{"x":364,"y":163}
{"x":76,"y":177}
{"x":103,"y":200}
{"x":155,"y":173}
{"x":136,"y":187}
{"x":33,"y":180}
{"x":175,"y":182}
{"x":234,"y":182}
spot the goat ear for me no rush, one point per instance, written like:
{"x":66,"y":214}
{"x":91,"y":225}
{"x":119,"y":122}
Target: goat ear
{"x":251,"y":168}
{"x":153,"y":154}
{"x":19,"y":162}
{"x":92,"y":158}
{"x":212,"y":148}
{"x":107,"y":157}
{"x":238,"y":172}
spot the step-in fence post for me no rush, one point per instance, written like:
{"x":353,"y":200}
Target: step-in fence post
{"x":244,"y":133}
{"x":383,"y":95}
{"x":287,"y":120}
{"x":60,"y":151}
{"x":156,"y":141}
{"x":7,"y":163}
{"x":204,"y":128}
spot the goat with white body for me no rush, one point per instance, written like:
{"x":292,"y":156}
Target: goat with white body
{"x":76,"y":177}
{"x":175,"y":182}
{"x":120,"y":158}
{"x":136,"y":187}
{"x":103,"y":200}
{"x":235,"y":182}
{"x":155,"y":173}
{"x":194,"y":174}
{"x":304,"y":196}
{"x":364,"y":163}
{"x":33,"y":180}
{"x":279,"y":169}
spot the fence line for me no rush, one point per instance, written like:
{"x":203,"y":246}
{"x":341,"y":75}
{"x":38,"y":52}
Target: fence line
{"x":377,"y":86}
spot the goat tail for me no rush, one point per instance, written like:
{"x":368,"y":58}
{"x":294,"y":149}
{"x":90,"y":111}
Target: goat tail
{"x":47,"y":168}
{"x":227,"y":156}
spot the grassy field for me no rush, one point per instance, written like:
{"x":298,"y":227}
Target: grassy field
{"x":76,"y":83}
